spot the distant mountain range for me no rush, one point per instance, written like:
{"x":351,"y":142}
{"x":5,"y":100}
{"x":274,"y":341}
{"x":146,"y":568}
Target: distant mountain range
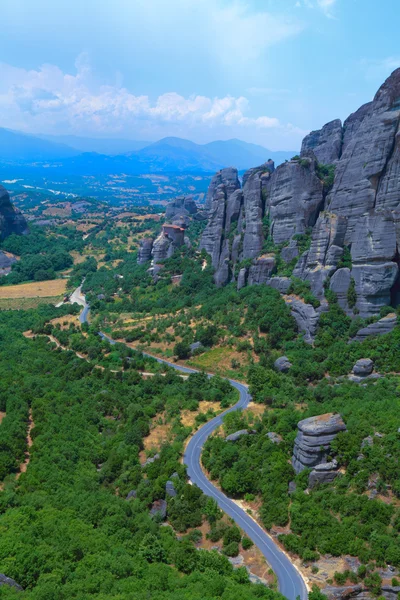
{"x":80,"y":155}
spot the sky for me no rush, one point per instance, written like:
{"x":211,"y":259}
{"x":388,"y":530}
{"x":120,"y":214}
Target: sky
{"x":264,"y":71}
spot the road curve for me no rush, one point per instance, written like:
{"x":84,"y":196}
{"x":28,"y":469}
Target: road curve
{"x":290,"y":582}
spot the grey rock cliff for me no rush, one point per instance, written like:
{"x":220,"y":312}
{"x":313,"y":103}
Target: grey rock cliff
{"x":295,"y":197}
{"x":326,"y":143}
{"x":357,"y":206}
{"x":144,"y":252}
{"x":11,"y":220}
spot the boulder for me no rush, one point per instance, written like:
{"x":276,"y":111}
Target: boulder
{"x":282,"y":364}
{"x":131,"y":494}
{"x":282,"y":284}
{"x":274,"y":437}
{"x":4,"y":580}
{"x":363,"y":367}
{"x":313,"y":440}
{"x":159,"y":509}
{"x":233,"y":437}
{"x":150,"y":461}
{"x":170,"y":489}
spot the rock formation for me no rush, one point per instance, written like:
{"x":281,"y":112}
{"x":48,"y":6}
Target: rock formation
{"x":282,"y":364}
{"x":144,"y":252}
{"x":352,"y":207}
{"x":313,"y":440}
{"x":11,"y":220}
{"x":363,"y":367}
{"x":181,"y":210}
{"x":385,"y":325}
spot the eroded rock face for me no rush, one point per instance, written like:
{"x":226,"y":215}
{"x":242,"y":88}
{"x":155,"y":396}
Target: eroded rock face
{"x":181,"y":210}
{"x":305,"y":316}
{"x":313,"y":440}
{"x":144,"y":252}
{"x":359,"y":210}
{"x":11,"y":220}
{"x":228,"y":178}
{"x":323,"y":473}
{"x":326,"y":143}
{"x":294,"y":197}
{"x":325,"y":252}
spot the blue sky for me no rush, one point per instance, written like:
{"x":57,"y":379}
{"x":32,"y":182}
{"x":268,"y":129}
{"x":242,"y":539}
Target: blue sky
{"x":265,"y":71}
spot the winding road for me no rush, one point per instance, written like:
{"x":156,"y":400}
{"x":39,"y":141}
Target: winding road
{"x":290,"y":582}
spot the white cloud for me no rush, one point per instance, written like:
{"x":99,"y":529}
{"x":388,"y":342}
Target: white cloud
{"x":325,"y":5}
{"x":49,"y":100}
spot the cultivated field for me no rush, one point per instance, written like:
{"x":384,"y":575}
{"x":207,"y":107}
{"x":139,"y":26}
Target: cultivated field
{"x":37,"y":289}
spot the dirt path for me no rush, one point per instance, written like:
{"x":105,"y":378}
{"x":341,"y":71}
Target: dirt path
{"x":23,"y":466}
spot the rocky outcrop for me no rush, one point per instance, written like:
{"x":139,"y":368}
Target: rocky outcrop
{"x":282,"y":364}
{"x":275,"y":438}
{"x":358,"y":592}
{"x":6,"y":263}
{"x":170,"y":489}
{"x":159,"y":509}
{"x":234,"y":230}
{"x":323,"y":473}
{"x":144,"y":252}
{"x":181,"y":210}
{"x":4,"y":580}
{"x":313,"y":441}
{"x":305,"y":316}
{"x":11,"y":220}
{"x":228,"y":178}
{"x":326,"y":143}
{"x":355,"y":206}
{"x":381,"y":327}
{"x":233,"y":437}
{"x":363,"y":367}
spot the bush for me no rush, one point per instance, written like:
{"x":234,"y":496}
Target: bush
{"x":231,"y":549}
{"x":247,"y":543}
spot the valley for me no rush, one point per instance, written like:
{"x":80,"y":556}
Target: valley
{"x":135,"y":332}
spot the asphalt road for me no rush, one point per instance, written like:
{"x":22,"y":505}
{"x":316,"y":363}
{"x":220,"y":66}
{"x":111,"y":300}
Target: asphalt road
{"x":290,"y":582}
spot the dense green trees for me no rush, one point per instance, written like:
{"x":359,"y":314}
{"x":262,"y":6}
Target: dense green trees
{"x":67,"y":531}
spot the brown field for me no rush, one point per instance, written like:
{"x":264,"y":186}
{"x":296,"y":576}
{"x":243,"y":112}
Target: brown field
{"x":39,"y":289}
{"x":65,"y":321}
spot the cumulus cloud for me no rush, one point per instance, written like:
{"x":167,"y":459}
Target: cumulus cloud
{"x":47,"y":99}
